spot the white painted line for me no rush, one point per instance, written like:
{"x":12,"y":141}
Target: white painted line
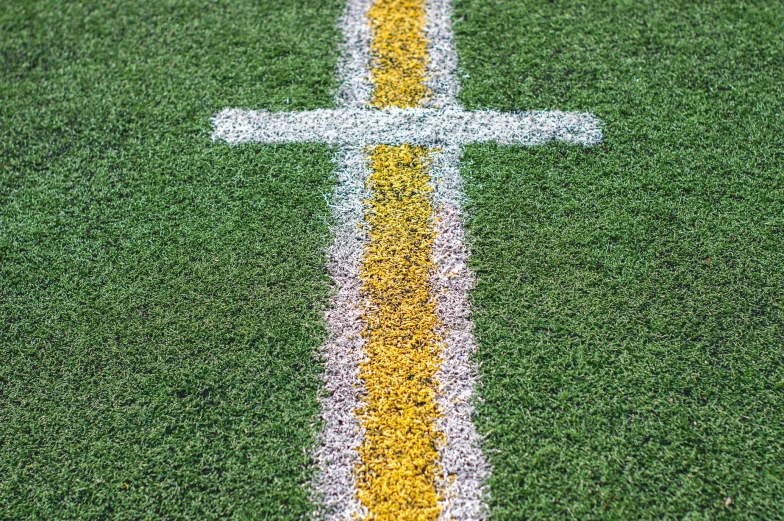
{"x":336,"y":454}
{"x":464,"y":468}
{"x":442,"y":67}
{"x":354,"y":63}
{"x":398,"y":126}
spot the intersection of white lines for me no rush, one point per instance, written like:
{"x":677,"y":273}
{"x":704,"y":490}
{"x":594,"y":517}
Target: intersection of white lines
{"x":442,"y":124}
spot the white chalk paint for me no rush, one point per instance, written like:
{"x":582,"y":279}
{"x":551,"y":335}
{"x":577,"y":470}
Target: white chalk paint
{"x":464,"y":468}
{"x":396,"y":126}
{"x":354,"y":64}
{"x":336,"y":454}
{"x":442,"y":66}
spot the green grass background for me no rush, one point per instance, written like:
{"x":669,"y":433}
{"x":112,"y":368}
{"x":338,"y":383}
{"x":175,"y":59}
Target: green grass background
{"x":160,"y":295}
{"x":629,"y":305}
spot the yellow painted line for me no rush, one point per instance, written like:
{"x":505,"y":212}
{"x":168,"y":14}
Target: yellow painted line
{"x":399,"y":459}
{"x":398,"y":52}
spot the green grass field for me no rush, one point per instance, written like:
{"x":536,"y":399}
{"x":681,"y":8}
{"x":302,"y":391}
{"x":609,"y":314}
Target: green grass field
{"x":161,"y":295}
{"x":629,"y":310}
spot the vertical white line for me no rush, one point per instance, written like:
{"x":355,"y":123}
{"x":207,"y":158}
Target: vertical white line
{"x":441,"y":49}
{"x":354,"y":63}
{"x":336,"y":454}
{"x":464,"y":468}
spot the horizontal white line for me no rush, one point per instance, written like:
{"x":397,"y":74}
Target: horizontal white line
{"x":451,"y":126}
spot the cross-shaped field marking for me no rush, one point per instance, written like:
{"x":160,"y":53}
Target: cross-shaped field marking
{"x":359,"y":126}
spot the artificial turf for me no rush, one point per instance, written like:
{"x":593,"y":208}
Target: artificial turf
{"x":161,"y":295}
{"x":629,"y":303}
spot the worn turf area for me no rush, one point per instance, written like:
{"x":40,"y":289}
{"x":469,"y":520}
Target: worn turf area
{"x":629,"y":306}
{"x":160,"y":295}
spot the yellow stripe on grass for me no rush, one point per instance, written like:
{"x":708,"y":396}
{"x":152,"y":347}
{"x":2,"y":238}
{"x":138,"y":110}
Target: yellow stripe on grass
{"x":399,"y":458}
{"x":399,"y":53}
{"x":396,"y":477}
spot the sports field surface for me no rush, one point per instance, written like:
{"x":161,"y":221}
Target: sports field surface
{"x":165,"y":297}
